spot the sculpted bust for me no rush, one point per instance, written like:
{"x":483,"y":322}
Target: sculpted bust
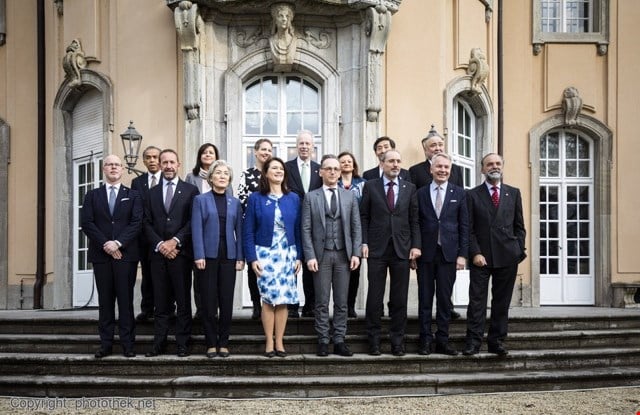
{"x":283,"y":39}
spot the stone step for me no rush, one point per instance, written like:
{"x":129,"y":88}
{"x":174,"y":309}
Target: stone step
{"x":304,"y":365}
{"x":254,"y":344}
{"x":268,"y":385}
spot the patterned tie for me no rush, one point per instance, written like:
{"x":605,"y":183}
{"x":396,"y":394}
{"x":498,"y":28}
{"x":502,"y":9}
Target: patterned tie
{"x":334,"y":202}
{"x":154,"y":181}
{"x":304,"y":175}
{"x":168,"y":196}
{"x":390,"y":196}
{"x":438,"y":201}
{"x":495,"y":196}
{"x":112,"y":199}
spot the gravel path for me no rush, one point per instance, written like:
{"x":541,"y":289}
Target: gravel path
{"x":608,"y":401}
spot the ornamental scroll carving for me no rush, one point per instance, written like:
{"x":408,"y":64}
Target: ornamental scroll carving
{"x":478,"y":69}
{"x":189,"y":26}
{"x":73,"y":62}
{"x":571,"y":105}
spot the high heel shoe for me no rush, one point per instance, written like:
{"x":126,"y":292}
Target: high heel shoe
{"x":281,"y":353}
{"x":211,"y":352}
{"x":269,"y":354}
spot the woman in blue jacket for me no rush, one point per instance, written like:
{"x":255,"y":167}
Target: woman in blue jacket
{"x":216,"y":229}
{"x":273,"y":248}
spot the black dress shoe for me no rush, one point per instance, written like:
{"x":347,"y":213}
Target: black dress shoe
{"x":224,"y":353}
{"x":498,"y":349}
{"x":102,"y":352}
{"x":445,"y":349}
{"x":424,"y":349}
{"x":308,"y":313}
{"x":156,"y":351}
{"x":397,"y":350}
{"x":374,"y":350}
{"x":323,"y":350}
{"x":143,"y":317}
{"x":129,"y":353}
{"x":293,"y":314}
{"x":182,"y":351}
{"x":341,"y":349}
{"x":281,"y":353}
{"x":454,"y":314}
{"x":351,"y":313}
{"x":270,"y":354}
{"x":471,"y":350}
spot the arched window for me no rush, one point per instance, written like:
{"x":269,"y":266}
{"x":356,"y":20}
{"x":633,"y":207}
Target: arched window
{"x":463,"y":140}
{"x":277,"y":107}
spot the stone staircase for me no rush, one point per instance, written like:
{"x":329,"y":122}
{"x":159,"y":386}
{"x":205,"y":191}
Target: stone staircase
{"x":51,"y":354}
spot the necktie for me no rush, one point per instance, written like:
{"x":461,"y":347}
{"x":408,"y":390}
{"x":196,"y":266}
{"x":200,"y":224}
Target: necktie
{"x":390,"y":196}
{"x":153,"y":181}
{"x":495,"y":196}
{"x":438,"y":201}
{"x":334,"y":202}
{"x":168,"y":196}
{"x":112,"y":199}
{"x":304,"y":175}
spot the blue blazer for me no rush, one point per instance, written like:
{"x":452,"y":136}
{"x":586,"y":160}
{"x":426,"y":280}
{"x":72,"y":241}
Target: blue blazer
{"x":259,"y":219}
{"x":453,"y":224}
{"x":205,"y":227}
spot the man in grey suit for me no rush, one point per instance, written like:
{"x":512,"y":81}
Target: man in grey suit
{"x":331,"y":239}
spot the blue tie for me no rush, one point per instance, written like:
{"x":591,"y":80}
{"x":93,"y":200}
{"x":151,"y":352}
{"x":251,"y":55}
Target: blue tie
{"x":112,"y":199}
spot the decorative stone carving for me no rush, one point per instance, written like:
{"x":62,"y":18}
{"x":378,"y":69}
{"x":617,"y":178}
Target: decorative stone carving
{"x":59,"y":6}
{"x":322,"y":40}
{"x":488,"y":9}
{"x":3,"y":22}
{"x":73,"y":62}
{"x":189,"y":25}
{"x":283,"y":40}
{"x":244,"y":41}
{"x":571,"y":105}
{"x":478,"y":69}
{"x":377,"y":27}
{"x":603,"y":48}
{"x":537,"y":49}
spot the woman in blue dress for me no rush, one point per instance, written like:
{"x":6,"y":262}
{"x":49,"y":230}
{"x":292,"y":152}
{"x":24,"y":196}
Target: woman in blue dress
{"x":273,"y":249}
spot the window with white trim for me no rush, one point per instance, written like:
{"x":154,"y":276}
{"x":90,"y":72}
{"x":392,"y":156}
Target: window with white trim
{"x":463,"y":141}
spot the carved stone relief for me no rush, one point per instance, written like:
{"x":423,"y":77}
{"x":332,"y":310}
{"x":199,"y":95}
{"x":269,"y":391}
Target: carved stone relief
{"x":377,"y":27}
{"x":73,"y":62}
{"x":3,"y":22}
{"x":189,"y":25}
{"x":478,"y":69}
{"x":571,"y":105}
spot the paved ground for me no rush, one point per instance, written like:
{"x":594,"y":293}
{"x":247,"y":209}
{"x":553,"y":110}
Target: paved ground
{"x":610,"y":401}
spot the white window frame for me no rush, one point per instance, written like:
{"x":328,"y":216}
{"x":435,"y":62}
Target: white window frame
{"x":468,"y":163}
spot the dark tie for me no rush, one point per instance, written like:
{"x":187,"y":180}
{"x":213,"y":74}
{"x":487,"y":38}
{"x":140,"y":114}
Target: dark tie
{"x":112,"y":199}
{"x":495,"y":196}
{"x":390,"y":196}
{"x":334,"y":202}
{"x":168,"y":196}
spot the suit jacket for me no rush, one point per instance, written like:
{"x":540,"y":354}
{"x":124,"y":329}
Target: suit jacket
{"x":313,"y":223}
{"x":421,"y":174}
{"x":379,"y":224}
{"x":294,"y":181}
{"x":374,"y":173}
{"x":160,"y":226}
{"x":100,"y":226}
{"x":141,"y":185}
{"x":259,"y":221}
{"x":205,"y":227}
{"x":453,"y":224}
{"x":496,"y":233}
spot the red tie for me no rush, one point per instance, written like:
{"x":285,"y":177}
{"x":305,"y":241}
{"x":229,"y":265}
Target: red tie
{"x":495,"y":196}
{"x":390,"y":196}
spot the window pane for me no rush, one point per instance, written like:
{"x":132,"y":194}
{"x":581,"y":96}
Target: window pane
{"x":294,"y":123}
{"x":311,"y":123}
{"x":310,"y":97}
{"x":252,"y":97}
{"x":270,"y":93}
{"x":554,"y":169}
{"x":553,"y":230}
{"x":252,"y":123}
{"x":572,"y":230}
{"x":572,"y":266}
{"x":270,"y":123}
{"x":294,"y":101}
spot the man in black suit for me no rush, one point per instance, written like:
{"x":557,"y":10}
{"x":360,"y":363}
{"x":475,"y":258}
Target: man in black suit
{"x":142,"y":184}
{"x":167,"y":226}
{"x":111,"y":217}
{"x":444,"y":224}
{"x":303,"y":176}
{"x":381,"y":146}
{"x":420,"y":173}
{"x":390,"y":239}
{"x":496,"y":247}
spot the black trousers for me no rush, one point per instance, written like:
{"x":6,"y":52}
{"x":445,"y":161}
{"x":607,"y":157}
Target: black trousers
{"x":146,"y":285}
{"x":252,"y":281}
{"x":115,"y":280}
{"x":503,"y":280}
{"x":435,"y":277}
{"x":171,"y":280}
{"x":354,"y":283}
{"x":217,"y":283}
{"x":398,"y":289}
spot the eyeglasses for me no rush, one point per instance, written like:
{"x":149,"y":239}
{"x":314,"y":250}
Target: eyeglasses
{"x":331,"y":168}
{"x":112,"y":165}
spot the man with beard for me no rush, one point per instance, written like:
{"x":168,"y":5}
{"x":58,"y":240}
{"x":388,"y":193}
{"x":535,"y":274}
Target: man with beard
{"x":496,"y":246}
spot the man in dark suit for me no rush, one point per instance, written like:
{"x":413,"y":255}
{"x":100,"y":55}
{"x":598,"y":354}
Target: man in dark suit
{"x":332,"y":239}
{"x":111,"y":217}
{"x":390,"y":239}
{"x":142,"y":184}
{"x":444,"y":225}
{"x":496,"y":247}
{"x":420,"y":173}
{"x":381,"y":146}
{"x":167,"y":226}
{"x":303,"y":176}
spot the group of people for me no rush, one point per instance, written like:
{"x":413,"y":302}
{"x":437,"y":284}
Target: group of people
{"x":318,"y":219}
